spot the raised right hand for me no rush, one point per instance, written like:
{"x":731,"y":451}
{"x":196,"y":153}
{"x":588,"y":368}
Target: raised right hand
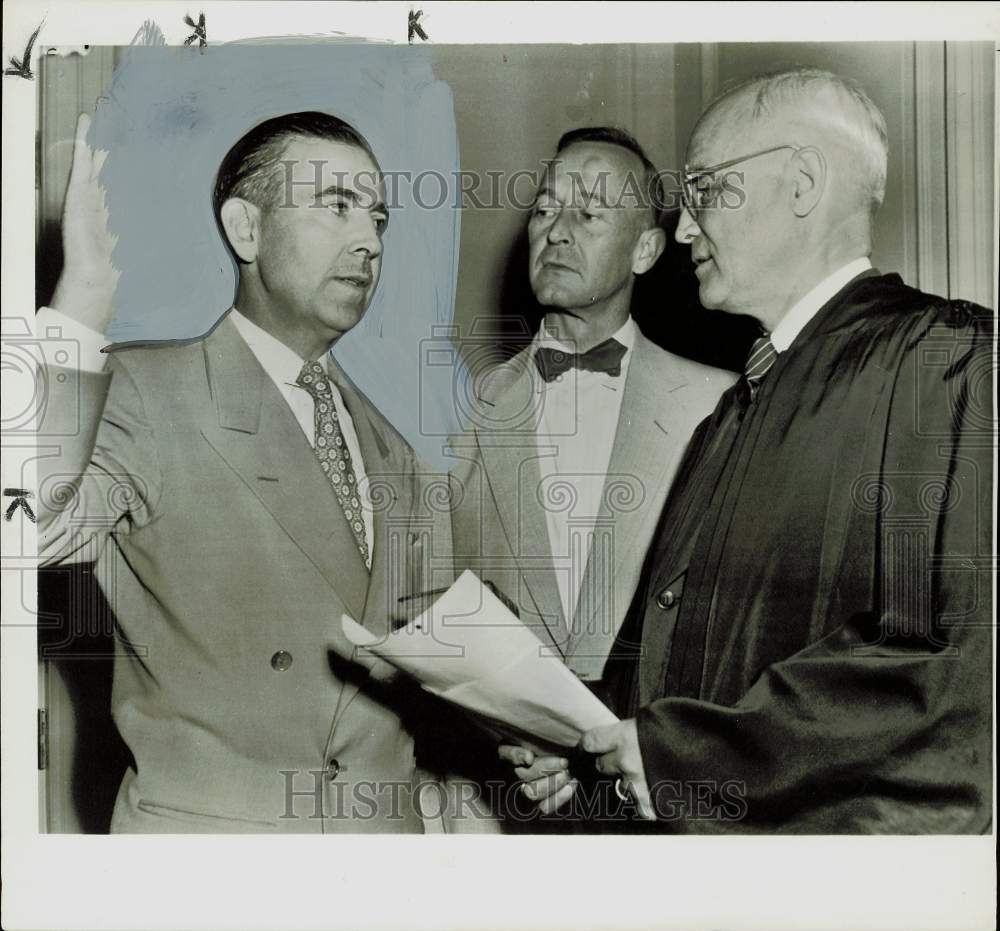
{"x":86,"y":288}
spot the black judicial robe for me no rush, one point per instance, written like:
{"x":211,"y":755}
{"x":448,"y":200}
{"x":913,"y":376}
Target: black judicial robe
{"x":810,"y":647}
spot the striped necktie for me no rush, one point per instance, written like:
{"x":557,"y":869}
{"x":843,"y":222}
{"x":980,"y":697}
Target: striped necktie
{"x":759,"y":362}
{"x":331,"y":450}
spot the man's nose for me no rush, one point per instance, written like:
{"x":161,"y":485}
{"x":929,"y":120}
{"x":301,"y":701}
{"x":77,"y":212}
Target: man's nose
{"x":366,"y":238}
{"x":687,"y":227}
{"x":559,"y":231}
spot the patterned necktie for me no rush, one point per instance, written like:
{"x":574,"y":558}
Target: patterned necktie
{"x":759,"y":362}
{"x":604,"y":357}
{"x":331,"y":450}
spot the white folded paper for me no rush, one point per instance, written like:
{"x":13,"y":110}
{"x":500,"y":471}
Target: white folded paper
{"x":469,"y":649}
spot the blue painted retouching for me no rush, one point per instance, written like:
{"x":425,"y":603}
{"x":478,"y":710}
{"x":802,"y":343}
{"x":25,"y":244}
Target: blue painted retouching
{"x":169,"y":119}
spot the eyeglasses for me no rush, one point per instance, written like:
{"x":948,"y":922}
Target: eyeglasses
{"x":701,"y":188}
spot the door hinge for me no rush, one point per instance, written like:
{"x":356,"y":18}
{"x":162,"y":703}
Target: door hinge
{"x":43,"y":739}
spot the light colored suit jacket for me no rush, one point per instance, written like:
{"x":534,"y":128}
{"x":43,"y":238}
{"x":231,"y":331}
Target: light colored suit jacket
{"x":228,"y":562}
{"x":499,"y":523}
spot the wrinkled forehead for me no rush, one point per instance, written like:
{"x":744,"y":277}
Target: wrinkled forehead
{"x":595,"y":172}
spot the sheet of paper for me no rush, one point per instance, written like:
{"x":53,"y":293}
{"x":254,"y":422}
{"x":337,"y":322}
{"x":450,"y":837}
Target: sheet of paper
{"x":469,"y":649}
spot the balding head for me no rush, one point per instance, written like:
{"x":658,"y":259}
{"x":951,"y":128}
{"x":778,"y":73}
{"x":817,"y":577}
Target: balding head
{"x":808,"y":106}
{"x":804,"y":151}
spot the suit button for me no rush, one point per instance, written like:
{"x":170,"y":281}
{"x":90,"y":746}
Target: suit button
{"x":665,"y":599}
{"x":281,"y":661}
{"x":332,"y":768}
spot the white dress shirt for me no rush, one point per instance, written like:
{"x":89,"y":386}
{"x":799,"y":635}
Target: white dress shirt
{"x":575,"y":435}
{"x":808,"y":305}
{"x":281,"y":364}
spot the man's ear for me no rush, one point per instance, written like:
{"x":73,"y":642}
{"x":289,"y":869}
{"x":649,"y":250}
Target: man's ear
{"x":648,"y":249}
{"x":809,"y":179}
{"x":241,"y":221}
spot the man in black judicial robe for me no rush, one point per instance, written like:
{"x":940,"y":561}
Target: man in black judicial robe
{"x":810,"y":646}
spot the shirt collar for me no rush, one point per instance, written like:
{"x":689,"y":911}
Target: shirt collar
{"x":283,"y":365}
{"x":806,"y":307}
{"x":625,"y":335}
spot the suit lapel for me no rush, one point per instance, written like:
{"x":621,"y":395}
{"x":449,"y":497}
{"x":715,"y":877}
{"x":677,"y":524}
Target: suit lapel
{"x":507,"y":440}
{"x":390,"y":479}
{"x":259,"y":438}
{"x":635,"y":485}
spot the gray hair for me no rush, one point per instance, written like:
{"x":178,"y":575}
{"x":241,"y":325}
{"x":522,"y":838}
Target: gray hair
{"x":839,"y":104}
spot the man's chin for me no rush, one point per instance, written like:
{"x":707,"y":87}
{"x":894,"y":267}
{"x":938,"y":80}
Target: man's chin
{"x":549,"y":296}
{"x":344,"y":317}
{"x":710,"y":297}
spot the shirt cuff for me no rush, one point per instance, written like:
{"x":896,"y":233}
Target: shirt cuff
{"x":75,"y":339}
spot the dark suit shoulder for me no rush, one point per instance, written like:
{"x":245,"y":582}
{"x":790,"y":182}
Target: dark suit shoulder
{"x":877,"y":323}
{"x":884,"y":305}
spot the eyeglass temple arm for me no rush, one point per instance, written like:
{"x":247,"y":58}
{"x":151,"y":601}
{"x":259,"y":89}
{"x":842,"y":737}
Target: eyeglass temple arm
{"x":690,"y":173}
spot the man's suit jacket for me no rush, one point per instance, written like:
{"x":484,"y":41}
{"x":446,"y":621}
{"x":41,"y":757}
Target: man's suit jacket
{"x":228,"y":562}
{"x":810,"y":649}
{"x":499,"y":522}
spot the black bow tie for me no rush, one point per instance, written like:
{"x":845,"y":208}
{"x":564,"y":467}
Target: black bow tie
{"x":604,"y":357}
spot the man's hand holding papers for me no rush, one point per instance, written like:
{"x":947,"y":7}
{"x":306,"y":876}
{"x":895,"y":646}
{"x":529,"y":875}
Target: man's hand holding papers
{"x":469,"y":649}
